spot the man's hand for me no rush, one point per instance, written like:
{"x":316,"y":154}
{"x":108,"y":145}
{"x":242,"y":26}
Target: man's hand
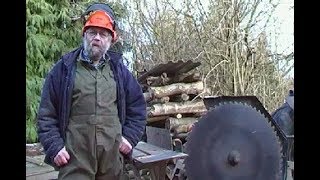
{"x":125,"y":147}
{"x":62,"y":157}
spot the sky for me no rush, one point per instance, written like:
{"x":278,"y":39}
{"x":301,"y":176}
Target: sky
{"x":285,"y":14}
{"x":285,"y":25}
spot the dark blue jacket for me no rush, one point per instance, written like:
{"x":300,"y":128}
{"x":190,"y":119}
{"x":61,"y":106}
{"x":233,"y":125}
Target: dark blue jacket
{"x":55,"y":104}
{"x":284,"y":117}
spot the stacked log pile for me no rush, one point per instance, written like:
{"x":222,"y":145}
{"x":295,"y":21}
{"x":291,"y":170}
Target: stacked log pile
{"x":174,"y":102}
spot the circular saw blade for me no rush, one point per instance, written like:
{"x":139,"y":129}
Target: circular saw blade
{"x":233,"y":141}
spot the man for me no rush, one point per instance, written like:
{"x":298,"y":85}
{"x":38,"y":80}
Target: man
{"x":284,"y":115}
{"x":92,"y":109}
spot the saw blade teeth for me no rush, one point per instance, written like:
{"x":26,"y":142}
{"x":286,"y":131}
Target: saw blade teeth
{"x":276,"y":135}
{"x":189,"y":145}
{"x":268,"y":120}
{"x":281,"y":150}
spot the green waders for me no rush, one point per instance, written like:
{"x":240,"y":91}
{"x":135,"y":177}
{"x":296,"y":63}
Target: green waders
{"x":93,"y":135}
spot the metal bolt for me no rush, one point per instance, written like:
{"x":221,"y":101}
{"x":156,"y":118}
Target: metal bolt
{"x":234,"y":158}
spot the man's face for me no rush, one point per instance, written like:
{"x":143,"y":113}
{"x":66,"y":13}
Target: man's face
{"x":96,"y":42}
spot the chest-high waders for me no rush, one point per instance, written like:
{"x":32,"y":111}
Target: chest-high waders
{"x":94,"y":131}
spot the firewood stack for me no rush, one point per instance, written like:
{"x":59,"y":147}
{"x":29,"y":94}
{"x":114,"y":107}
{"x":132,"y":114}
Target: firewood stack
{"x":174,"y":100}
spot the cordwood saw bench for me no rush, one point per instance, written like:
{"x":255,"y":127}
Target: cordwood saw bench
{"x":154,"y":158}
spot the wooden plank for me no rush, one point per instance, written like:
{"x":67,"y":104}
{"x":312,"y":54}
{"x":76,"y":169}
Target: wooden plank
{"x":137,"y":153}
{"x":153,"y":153}
{"x":147,"y":149}
{"x":165,"y":155}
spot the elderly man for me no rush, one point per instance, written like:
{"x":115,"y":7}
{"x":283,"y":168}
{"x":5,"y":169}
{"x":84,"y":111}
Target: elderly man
{"x":92,"y":109}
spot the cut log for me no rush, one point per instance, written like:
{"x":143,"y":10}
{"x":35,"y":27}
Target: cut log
{"x":179,"y":116}
{"x":181,"y":136}
{"x":159,"y":124}
{"x":184,"y":97}
{"x":178,"y":88}
{"x":176,"y":108}
{"x":180,"y":78}
{"x":160,"y":100}
{"x":158,"y":80}
{"x":180,"y":98}
{"x":186,"y":78}
{"x":157,"y":118}
{"x":148,"y":96}
{"x":182,"y":128}
{"x":172,"y":122}
{"x":198,"y":115}
{"x":165,"y":99}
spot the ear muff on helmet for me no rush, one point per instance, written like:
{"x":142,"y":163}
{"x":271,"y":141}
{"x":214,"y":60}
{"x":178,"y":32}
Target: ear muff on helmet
{"x":98,"y":7}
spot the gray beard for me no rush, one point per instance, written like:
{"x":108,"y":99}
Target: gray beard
{"x":94,"y":55}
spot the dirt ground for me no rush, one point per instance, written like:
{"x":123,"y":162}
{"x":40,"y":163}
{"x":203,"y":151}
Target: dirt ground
{"x":43,"y":171}
{"x":36,"y":169}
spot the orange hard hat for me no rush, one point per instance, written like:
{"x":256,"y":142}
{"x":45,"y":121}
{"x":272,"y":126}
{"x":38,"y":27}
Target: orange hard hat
{"x":100,"y":18}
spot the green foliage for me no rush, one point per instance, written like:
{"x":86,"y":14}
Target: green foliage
{"x":31,"y":132}
{"x":47,"y":26}
{"x":33,"y":92}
